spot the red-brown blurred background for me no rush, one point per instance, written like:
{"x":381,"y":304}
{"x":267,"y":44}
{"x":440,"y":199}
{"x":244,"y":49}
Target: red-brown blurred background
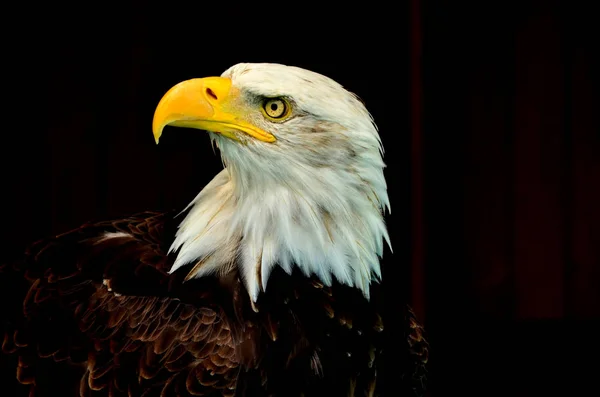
{"x":489,"y":116}
{"x":510,"y":150}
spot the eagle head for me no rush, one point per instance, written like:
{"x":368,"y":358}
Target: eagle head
{"x":303,"y":183}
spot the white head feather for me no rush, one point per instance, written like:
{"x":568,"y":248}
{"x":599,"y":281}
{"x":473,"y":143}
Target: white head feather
{"x":314,"y":198}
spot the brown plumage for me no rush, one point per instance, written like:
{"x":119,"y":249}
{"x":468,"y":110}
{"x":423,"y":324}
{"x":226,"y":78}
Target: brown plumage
{"x":86,"y":314}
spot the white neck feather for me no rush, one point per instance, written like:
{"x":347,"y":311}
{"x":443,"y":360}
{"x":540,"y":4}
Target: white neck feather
{"x":264,"y":212}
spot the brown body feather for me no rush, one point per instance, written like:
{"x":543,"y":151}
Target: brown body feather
{"x":86,"y":314}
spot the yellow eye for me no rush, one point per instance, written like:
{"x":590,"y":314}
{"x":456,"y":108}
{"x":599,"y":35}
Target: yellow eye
{"x":276,"y":108}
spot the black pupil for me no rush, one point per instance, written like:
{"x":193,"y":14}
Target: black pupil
{"x":274,"y":106}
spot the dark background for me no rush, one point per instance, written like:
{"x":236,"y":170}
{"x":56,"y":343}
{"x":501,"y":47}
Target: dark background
{"x":488,"y":113}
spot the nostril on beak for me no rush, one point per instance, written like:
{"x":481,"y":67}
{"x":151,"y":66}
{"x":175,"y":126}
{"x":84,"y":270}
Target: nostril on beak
{"x":211,"y":94}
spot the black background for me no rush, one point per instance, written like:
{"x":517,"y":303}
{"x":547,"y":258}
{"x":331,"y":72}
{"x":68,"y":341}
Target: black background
{"x":488,"y":113}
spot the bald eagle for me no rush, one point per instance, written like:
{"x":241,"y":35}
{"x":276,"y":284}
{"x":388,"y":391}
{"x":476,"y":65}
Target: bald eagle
{"x":263,"y":286}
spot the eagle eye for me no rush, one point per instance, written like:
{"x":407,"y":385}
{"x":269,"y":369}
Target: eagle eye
{"x":276,"y":108}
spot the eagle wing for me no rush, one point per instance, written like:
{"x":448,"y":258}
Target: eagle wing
{"x":94,"y":310}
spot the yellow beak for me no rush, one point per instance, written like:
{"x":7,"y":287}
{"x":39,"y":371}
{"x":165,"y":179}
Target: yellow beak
{"x":210,"y":104}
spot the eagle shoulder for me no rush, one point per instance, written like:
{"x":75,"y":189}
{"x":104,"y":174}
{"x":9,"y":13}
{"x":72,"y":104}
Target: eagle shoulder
{"x":96,"y":309}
